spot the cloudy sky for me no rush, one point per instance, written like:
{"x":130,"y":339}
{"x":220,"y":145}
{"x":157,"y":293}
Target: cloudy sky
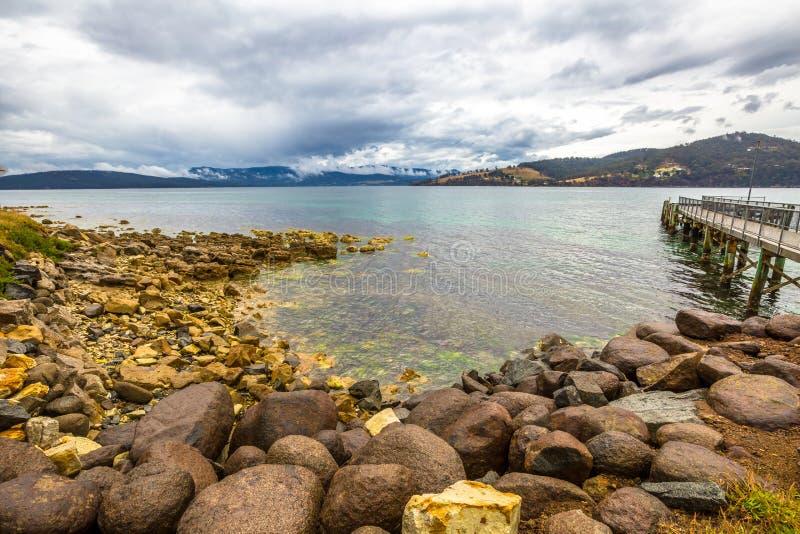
{"x":161,"y":86}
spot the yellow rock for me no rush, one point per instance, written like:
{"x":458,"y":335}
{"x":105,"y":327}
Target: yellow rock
{"x":191,"y":349}
{"x":157,"y":376}
{"x":65,"y":456}
{"x":122,"y":306}
{"x":339,"y":382}
{"x":13,"y":433}
{"x":146,"y":361}
{"x":37,"y":389}
{"x":345,"y":407}
{"x":26,"y":333}
{"x":11,"y":381}
{"x":423,"y":254}
{"x":282,"y":372}
{"x":82,"y":445}
{"x":465,"y":507}
{"x":380,"y":420}
{"x":145,"y":351}
{"x":161,"y":319}
{"x":120,"y":457}
{"x":241,"y":355}
{"x":19,"y":360}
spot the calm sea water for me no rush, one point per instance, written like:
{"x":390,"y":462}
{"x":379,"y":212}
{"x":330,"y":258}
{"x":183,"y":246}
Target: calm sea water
{"x":505,"y":265}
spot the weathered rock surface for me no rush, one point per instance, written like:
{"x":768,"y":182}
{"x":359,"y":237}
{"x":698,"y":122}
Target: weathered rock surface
{"x":481,"y":435}
{"x":677,"y":461}
{"x":657,"y":408}
{"x":465,"y":506}
{"x":559,"y":455}
{"x":784,"y":326}
{"x":771,"y":366}
{"x":673,"y":344}
{"x":633,"y":511}
{"x":515,"y":402}
{"x":149,"y":501}
{"x":39,"y":503}
{"x":183,"y":457}
{"x":628,"y":354}
{"x":102,"y":478}
{"x":692,"y":496}
{"x":244,"y":457}
{"x":755,"y":326}
{"x":433,"y":461}
{"x":697,"y":434}
{"x":701,"y":324}
{"x":19,"y":458}
{"x":761,"y":401}
{"x":301,"y":413}
{"x":679,"y":373}
{"x":541,"y":494}
{"x":306,"y":452}
{"x":713,"y":367}
{"x":618,"y":453}
{"x":608,"y":418}
{"x":574,"y":522}
{"x":362,"y":495}
{"x":440,"y":409}
{"x":200,"y":415}
{"x":275,"y":499}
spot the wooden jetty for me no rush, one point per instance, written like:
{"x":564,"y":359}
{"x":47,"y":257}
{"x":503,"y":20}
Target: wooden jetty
{"x":733,"y":227}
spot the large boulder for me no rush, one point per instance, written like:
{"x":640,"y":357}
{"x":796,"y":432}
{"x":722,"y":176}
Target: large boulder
{"x":306,"y":452}
{"x":618,"y":453}
{"x":481,"y":436}
{"x":117,"y":435}
{"x":608,"y":418}
{"x":244,"y":457}
{"x":200,"y":415}
{"x":658,"y":408}
{"x":39,"y":503}
{"x":774,"y":366}
{"x":19,"y":458}
{"x":275,"y":499}
{"x":302,"y":413}
{"x":702,"y":435}
{"x":362,"y":495}
{"x":433,"y":461}
{"x":515,"y":401}
{"x":679,"y":373}
{"x":677,"y":461}
{"x":633,"y":511}
{"x":439,"y":409}
{"x":713,"y":367}
{"x":184,"y":457}
{"x":784,"y":326}
{"x":701,"y":324}
{"x":755,"y":326}
{"x":102,"y":478}
{"x":559,"y":455}
{"x":150,"y":500}
{"x":761,"y":401}
{"x":542,"y":494}
{"x":519,"y":445}
{"x":628,"y":354}
{"x":673,"y":344}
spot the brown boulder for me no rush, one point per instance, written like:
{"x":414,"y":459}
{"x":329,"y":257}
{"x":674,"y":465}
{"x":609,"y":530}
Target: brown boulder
{"x":149,"y":501}
{"x":439,"y":409}
{"x":362,"y":495}
{"x":334,"y":443}
{"x":565,"y":358}
{"x":537,"y":414}
{"x":265,"y":498}
{"x":514,"y":401}
{"x":183,"y":457}
{"x":784,"y":326}
{"x":40,"y":503}
{"x":542,"y":494}
{"x":244,"y":457}
{"x":480,"y":436}
{"x":302,"y":413}
{"x":787,"y":371}
{"x":519,"y":445}
{"x":755,"y":326}
{"x":608,"y":418}
{"x":433,"y":461}
{"x":102,"y":478}
{"x":698,"y":434}
{"x":761,"y":401}
{"x":117,"y":435}
{"x":645,"y":329}
{"x":677,"y":461}
{"x":353,"y":440}
{"x":679,"y":373}
{"x":19,"y":458}
{"x":713,"y":367}
{"x":633,"y":511}
{"x":200,"y":415}
{"x":305,"y":452}
{"x":700,"y":324}
{"x":574,"y":522}
{"x":628,"y":354}
{"x":673,"y":344}
{"x":618,"y":453}
{"x":559,"y":455}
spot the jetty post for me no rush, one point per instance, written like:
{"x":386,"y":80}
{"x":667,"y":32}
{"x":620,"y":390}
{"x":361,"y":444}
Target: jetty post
{"x":706,"y":243}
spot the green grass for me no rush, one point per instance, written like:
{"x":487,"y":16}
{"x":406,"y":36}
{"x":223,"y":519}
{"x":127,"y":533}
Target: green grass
{"x":21,"y":236}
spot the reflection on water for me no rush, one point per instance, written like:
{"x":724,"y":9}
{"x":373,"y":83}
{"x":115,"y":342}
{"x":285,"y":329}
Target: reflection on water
{"x":506,"y":265}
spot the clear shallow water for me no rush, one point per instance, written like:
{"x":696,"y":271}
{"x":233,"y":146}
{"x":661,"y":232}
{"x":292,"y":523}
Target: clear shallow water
{"x":506,"y":265}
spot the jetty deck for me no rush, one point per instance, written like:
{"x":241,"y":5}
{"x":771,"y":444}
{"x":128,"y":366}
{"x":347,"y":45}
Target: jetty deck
{"x":734,"y":225}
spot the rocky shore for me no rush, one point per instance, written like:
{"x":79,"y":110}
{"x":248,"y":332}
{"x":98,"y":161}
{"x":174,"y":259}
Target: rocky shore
{"x":138,"y":394}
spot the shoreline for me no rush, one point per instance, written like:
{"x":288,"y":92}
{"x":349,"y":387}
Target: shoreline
{"x":123,"y":323}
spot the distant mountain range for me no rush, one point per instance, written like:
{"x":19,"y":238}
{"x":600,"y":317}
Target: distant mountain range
{"x":216,"y":177}
{"x":723,"y":161}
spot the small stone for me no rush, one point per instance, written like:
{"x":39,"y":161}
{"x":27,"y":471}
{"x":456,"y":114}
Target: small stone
{"x":42,"y":432}
{"x":463,"y":507}
{"x":132,"y":393}
{"x":692,"y":496}
{"x":697,"y":434}
{"x":122,"y":306}
{"x":633,"y":511}
{"x":574,"y":522}
{"x":244,"y":457}
{"x":93,"y":310}
{"x":65,"y":457}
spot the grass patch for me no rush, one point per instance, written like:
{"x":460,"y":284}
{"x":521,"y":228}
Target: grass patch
{"x":21,"y":235}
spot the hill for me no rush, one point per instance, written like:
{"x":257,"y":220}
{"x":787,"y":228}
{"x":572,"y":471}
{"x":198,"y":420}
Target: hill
{"x":270,"y":176}
{"x":723,"y":161}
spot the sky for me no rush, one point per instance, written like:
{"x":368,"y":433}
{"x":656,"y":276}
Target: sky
{"x":157,"y":87}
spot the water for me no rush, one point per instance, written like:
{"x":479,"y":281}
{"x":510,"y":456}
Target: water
{"x":505,"y":265}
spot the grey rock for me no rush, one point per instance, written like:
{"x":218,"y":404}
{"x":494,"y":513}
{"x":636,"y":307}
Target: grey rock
{"x":658,"y":408}
{"x":93,"y":310}
{"x":568,"y":396}
{"x":11,"y":414}
{"x":692,"y":496}
{"x":518,"y":369}
{"x":14,"y":291}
